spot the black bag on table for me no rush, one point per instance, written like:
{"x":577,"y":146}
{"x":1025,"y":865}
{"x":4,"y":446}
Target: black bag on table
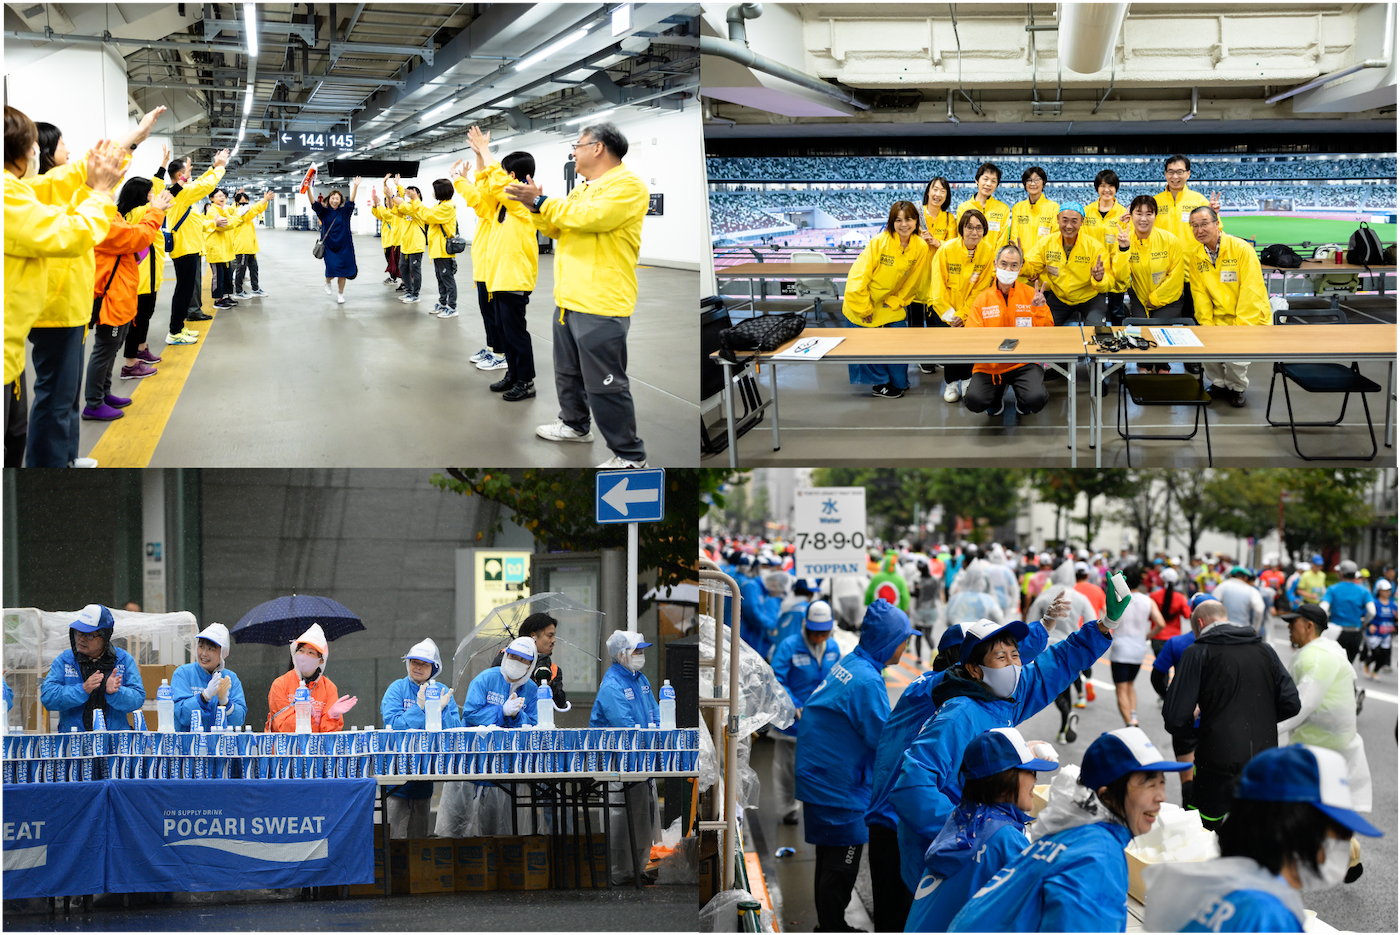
{"x":762,"y":333}
{"x":1280,"y":256}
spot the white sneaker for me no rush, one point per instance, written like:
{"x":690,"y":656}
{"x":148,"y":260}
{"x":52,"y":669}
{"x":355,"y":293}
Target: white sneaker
{"x":494,"y":363}
{"x":243,"y":295}
{"x":85,"y":462}
{"x":340,"y":298}
{"x":259,"y":293}
{"x":480,"y":355}
{"x":953,"y":392}
{"x":389,"y":279}
{"x":616,"y":462}
{"x":409,"y":299}
{"x":559,"y":432}
{"x":329,"y":291}
{"x":448,"y":313}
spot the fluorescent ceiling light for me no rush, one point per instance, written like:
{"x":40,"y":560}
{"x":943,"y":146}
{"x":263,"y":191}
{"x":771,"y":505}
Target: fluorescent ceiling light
{"x":381,"y":139}
{"x":586,"y":117}
{"x":250,"y":27}
{"x":241,"y":131}
{"x":546,"y":53}
{"x":440,"y":109}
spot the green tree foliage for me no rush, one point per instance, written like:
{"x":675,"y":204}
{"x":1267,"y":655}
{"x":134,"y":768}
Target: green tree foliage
{"x":557,"y":507}
{"x":1187,"y":487}
{"x":1243,"y":502}
{"x":1061,"y":488}
{"x":1328,"y":507}
{"x":1143,"y":509}
{"x":715,"y":483}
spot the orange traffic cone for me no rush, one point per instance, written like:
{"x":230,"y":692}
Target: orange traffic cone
{"x":1089,"y":689}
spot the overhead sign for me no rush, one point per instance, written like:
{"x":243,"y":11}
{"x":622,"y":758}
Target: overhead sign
{"x":315,"y":140}
{"x":829,"y":531}
{"x":631,"y":496}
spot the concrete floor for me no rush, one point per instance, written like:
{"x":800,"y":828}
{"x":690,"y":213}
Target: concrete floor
{"x":296,"y":380}
{"x":826,"y":421}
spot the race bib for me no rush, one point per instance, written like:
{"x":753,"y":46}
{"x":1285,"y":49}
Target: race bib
{"x":973,"y":279}
{"x":1023,"y":321}
{"x":1229,"y":275}
{"x":1157,"y":278}
{"x":1044,"y":230}
{"x":994,"y":225}
{"x":1052,"y":270}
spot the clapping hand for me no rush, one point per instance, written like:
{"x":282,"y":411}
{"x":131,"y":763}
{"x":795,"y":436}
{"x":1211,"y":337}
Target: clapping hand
{"x":225,"y":684}
{"x":114,"y":682}
{"x":513,"y":705}
{"x":478,"y":140}
{"x":103,"y":166}
{"x":162,"y":200}
{"x":342,"y":705}
{"x":221,"y":222}
{"x":92,"y":681}
{"x":525,"y":192}
{"x":221,"y":158}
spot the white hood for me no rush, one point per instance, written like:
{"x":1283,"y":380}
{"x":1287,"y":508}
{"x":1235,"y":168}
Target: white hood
{"x":1177,"y":891}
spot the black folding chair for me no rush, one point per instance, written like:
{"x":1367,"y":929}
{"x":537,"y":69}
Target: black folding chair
{"x":1321,"y":378}
{"x":714,"y":318}
{"x":1162,"y":389}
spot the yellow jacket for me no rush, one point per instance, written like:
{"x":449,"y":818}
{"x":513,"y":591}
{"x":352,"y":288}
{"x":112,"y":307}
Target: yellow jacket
{"x":1030,"y":222}
{"x":1173,"y":215}
{"x":943,"y":228}
{"x":957,"y":277}
{"x":885,"y":279}
{"x":599,"y":229}
{"x":473,"y":193}
{"x":190,"y":237}
{"x":1152,"y":268}
{"x":412,"y":238}
{"x":441,"y":219}
{"x":1071,"y":278}
{"x":155,"y":262}
{"x":35,"y":232}
{"x":389,"y":232}
{"x":998,"y":218}
{"x":68,"y":298}
{"x":1231,"y":290}
{"x":218,"y":241}
{"x":513,"y":260}
{"x":245,"y":228}
{"x":1104,"y":227}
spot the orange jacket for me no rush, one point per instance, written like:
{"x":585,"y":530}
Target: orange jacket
{"x":991,"y":309}
{"x":125,"y":246}
{"x":283,"y":693}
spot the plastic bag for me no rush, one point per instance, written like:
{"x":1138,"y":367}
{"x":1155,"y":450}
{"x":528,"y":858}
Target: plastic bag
{"x":721,"y":913}
{"x":709,"y":761}
{"x":682,"y":865}
{"x":762,"y":698}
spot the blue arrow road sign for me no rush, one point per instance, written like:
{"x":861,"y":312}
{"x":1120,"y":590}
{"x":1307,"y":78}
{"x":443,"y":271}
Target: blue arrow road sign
{"x":631,"y":496}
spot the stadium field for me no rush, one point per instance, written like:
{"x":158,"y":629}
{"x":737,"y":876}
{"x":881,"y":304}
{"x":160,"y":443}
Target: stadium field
{"x":1267,"y":229}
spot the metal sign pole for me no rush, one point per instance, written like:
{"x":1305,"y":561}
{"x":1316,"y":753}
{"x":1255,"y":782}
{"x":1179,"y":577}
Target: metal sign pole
{"x":632,"y":577}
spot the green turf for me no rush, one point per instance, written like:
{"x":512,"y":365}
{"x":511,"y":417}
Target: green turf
{"x":1265,"y":229}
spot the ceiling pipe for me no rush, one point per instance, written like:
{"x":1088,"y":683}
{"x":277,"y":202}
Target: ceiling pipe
{"x":109,"y":39}
{"x":1387,"y":54}
{"x":953,"y":15}
{"x":952,"y":117}
{"x":1088,"y":33}
{"x":735,"y":17}
{"x":1195,"y":100}
{"x":720,"y":48}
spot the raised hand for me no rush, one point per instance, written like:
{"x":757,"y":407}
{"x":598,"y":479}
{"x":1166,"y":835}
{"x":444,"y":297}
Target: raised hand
{"x":1215,"y":201}
{"x":1039,"y":298}
{"x":104,"y":166}
{"x":374,"y":198}
{"x":341,"y":706}
{"x":163,"y":200}
{"x":267,"y":196}
{"x":221,"y":158}
{"x":357,"y":181}
{"x":525,"y":192}
{"x":1098,"y":269}
{"x":1122,"y":239}
{"x":164,"y":154}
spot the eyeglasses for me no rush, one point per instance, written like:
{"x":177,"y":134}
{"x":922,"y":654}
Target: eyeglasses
{"x":1178,"y":172}
{"x":585,"y":143}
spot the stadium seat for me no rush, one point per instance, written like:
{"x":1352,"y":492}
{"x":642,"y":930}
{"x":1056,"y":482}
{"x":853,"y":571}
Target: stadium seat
{"x":815,"y":289}
{"x":1321,"y":378}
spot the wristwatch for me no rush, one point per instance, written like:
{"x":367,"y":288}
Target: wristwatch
{"x":535,"y":206}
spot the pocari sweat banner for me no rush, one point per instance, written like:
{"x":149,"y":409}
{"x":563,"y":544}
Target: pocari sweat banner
{"x":55,"y":838}
{"x":224,"y":834}
{"x":829,"y":531}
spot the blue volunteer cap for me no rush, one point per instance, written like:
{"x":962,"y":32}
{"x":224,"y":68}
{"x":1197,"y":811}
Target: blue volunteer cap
{"x":983,"y":630}
{"x":951,"y":637}
{"x":1199,"y":598}
{"x":1077,"y":209}
{"x":818,"y":616}
{"x":1122,"y":751}
{"x":1301,"y":773}
{"x":998,"y":750}
{"x":92,"y":618}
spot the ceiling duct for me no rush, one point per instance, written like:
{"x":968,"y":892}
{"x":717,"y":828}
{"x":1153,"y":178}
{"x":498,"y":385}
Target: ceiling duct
{"x":1088,"y":33}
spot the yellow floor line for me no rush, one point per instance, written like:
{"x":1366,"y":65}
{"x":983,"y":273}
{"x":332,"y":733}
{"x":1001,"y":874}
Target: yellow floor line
{"x":131,"y":441}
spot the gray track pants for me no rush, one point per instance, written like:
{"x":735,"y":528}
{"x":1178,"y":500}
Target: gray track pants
{"x":590,"y":371}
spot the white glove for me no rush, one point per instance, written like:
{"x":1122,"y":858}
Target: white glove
{"x":212,"y":688}
{"x":1058,"y":610}
{"x":1043,"y":751}
{"x":447,"y":699}
{"x":513,"y":705}
{"x":422,"y":695}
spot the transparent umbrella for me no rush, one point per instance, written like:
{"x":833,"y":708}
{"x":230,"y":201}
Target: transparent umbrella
{"x":477,"y":652}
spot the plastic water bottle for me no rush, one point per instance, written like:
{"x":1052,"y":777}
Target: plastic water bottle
{"x":196,"y":721}
{"x":99,"y":720}
{"x":432,"y":706}
{"x":544,"y":705}
{"x":668,"y":706}
{"x":165,"y":708}
{"x":303,"y":705}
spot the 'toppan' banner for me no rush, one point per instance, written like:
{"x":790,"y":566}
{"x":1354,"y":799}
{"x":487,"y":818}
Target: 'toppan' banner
{"x":236,"y":835}
{"x":55,"y":836}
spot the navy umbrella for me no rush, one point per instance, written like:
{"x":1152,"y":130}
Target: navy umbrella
{"x":283,"y":619}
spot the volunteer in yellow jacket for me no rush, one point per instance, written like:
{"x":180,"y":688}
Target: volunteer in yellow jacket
{"x":35,"y":233}
{"x":492,"y":356}
{"x":997,"y":214}
{"x":599,"y":231}
{"x":1150,"y":262}
{"x":1033,"y":217}
{"x":880,"y":287}
{"x":1075,"y":267}
{"x":1229,"y":289}
{"x":245,"y":242}
{"x":188,"y":232}
{"x":512,"y":263}
{"x":959,"y":270}
{"x":218,"y":247}
{"x":140,"y":359}
{"x":59,"y":333}
{"x":413,"y":238}
{"x":441,"y":221}
{"x":1175,"y":204}
{"x":389,"y":234}
{"x":1008,"y":304}
{"x":1103,"y":219}
{"x":939,"y":227}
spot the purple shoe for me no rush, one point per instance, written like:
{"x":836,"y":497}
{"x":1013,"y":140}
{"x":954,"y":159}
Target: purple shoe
{"x":138,"y":370}
{"x":103,"y":413}
{"x":117,"y":402}
{"x":147,"y":355}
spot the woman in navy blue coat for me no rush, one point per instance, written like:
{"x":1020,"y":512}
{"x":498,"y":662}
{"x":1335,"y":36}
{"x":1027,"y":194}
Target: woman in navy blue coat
{"x":339,"y":258}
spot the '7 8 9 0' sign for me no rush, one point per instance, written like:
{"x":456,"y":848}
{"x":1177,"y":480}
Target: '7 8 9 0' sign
{"x":829,"y":529}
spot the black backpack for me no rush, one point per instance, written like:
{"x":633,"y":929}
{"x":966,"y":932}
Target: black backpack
{"x":1280,"y":256}
{"x":1364,"y":247}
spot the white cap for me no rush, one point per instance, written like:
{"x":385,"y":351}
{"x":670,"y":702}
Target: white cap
{"x":1169,"y":576}
{"x":217,"y":634}
{"x":819,"y":612}
{"x":1081,"y":566}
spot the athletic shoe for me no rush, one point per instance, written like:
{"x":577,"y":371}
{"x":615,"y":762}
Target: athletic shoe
{"x":329,"y":290}
{"x":200,"y":316}
{"x":1088,"y":690}
{"x":495,"y":363}
{"x":886,"y":391}
{"x":480,"y":355}
{"x":448,"y":313}
{"x":928,"y":368}
{"x":92,"y":463}
{"x":953,"y":391}
{"x":410,"y":299}
{"x":1070,"y":734}
{"x":180,"y":338}
{"x":557,"y":431}
{"x":1020,"y":411}
{"x":1235,"y":398}
{"x":389,"y":279}
{"x":1000,"y":405}
{"x":245,"y":294}
{"x":616,"y":462}
{"x":259,"y":293}
{"x":117,"y":402}
{"x":230,"y":300}
{"x":790,"y":818}
{"x":402,"y":288}
{"x":102,"y":413}
{"x":437,"y":307}
{"x":147,"y":355}
{"x":1132,"y":719}
{"x":503,"y":384}
{"x":1360,"y":698}
{"x":1080,"y":702}
{"x":188,"y":333}
{"x":138,"y":370}
{"x":340,"y":298}
{"x":519,"y":391}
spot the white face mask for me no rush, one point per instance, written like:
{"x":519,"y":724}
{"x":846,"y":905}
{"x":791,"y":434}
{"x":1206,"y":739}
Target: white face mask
{"x":305,"y":665}
{"x":635,"y":661}
{"x":1334,"y":869}
{"x":1002,"y":682}
{"x":1007,"y":276}
{"x":514,"y":669}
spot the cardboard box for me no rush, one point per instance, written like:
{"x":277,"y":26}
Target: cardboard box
{"x":1136,"y":888}
{"x":432,"y":865}
{"x":475,"y":870}
{"x":151,"y":676}
{"x":377,"y":887}
{"x":522,"y":862}
{"x":588,"y":871}
{"x":1039,"y":798}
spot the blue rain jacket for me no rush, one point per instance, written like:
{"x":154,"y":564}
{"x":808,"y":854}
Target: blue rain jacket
{"x":840,"y":729}
{"x":1075,"y":880}
{"x":757,"y":614}
{"x":624,"y":699}
{"x":801,"y":671}
{"x":62,"y":691}
{"x":400,"y":711}
{"x":913,"y":708}
{"x":186,"y":685}
{"x":487,"y":695}
{"x":1245,"y":911}
{"x":788,"y":624}
{"x":977,"y":841}
{"x":929,"y":785}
